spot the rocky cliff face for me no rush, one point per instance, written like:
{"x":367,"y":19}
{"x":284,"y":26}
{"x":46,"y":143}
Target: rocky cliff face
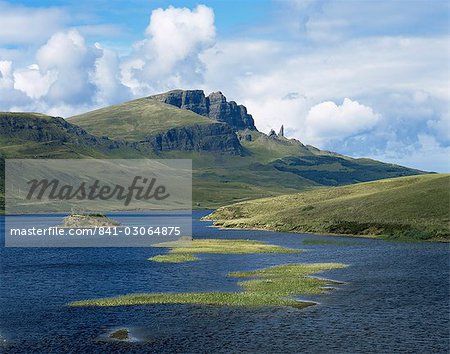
{"x":40,"y":128}
{"x":216,"y":137}
{"x":214,"y":106}
{"x":192,"y":100}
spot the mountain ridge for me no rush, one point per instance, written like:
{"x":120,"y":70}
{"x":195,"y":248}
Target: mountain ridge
{"x":229,"y":164}
{"x":214,"y":106}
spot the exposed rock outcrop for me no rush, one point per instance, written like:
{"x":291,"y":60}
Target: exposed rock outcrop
{"x":88,"y":221}
{"x":214,"y":106}
{"x":192,"y":100}
{"x":121,"y":334}
{"x":272,"y":134}
{"x":245,"y":137}
{"x":42,"y":128}
{"x":216,"y":137}
{"x":229,"y":112}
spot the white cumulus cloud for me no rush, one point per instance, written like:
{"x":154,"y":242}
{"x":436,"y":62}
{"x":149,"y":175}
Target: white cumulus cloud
{"x":330,"y":121}
{"x":6,"y":79}
{"x":169,"y":56}
{"x":67,"y":54}
{"x":106,"y":78}
{"x":32,"y":82}
{"x":175,"y":33}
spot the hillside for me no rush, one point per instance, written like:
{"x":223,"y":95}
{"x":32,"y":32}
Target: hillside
{"x":414,"y":207}
{"x":34,"y":135}
{"x":232,"y":161}
{"x":135,"y":120}
{"x":221,"y":175}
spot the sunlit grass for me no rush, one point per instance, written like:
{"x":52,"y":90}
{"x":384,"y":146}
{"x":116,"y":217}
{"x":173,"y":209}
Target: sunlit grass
{"x":411,"y":208}
{"x":286,"y":279}
{"x":273,"y":286}
{"x":135,"y":120}
{"x":173,"y":258}
{"x":218,"y":246}
{"x":182,"y":251}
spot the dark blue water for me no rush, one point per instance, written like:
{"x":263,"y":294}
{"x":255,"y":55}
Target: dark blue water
{"x":396,"y":299}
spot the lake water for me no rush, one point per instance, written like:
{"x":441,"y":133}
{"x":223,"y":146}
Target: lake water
{"x":395,"y":299}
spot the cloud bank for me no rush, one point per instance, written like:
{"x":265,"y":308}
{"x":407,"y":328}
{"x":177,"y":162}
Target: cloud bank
{"x":382,"y":94}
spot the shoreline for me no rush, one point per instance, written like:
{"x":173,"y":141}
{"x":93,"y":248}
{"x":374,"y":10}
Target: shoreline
{"x":371,"y":237}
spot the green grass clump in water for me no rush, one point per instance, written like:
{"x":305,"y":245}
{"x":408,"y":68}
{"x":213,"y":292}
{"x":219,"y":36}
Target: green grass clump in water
{"x":181,"y":251}
{"x":173,"y":258}
{"x":273,"y":286}
{"x":285,"y":280}
{"x":218,"y":246}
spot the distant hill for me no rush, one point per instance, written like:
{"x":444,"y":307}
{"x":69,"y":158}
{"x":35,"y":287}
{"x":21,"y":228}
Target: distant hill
{"x":232,"y":160}
{"x":406,"y":208}
{"x":136,"y":120}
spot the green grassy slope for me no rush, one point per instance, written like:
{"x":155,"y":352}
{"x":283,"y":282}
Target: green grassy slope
{"x":220,"y":179}
{"x":266,"y":149}
{"x":35,"y":135}
{"x":137,"y":119}
{"x":269,"y":167}
{"x":318,"y":166}
{"x":275,"y":167}
{"x":337,"y":171}
{"x":416,"y":207}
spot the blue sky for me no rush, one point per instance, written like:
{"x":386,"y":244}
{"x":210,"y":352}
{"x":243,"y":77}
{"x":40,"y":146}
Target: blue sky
{"x":364,"y":78}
